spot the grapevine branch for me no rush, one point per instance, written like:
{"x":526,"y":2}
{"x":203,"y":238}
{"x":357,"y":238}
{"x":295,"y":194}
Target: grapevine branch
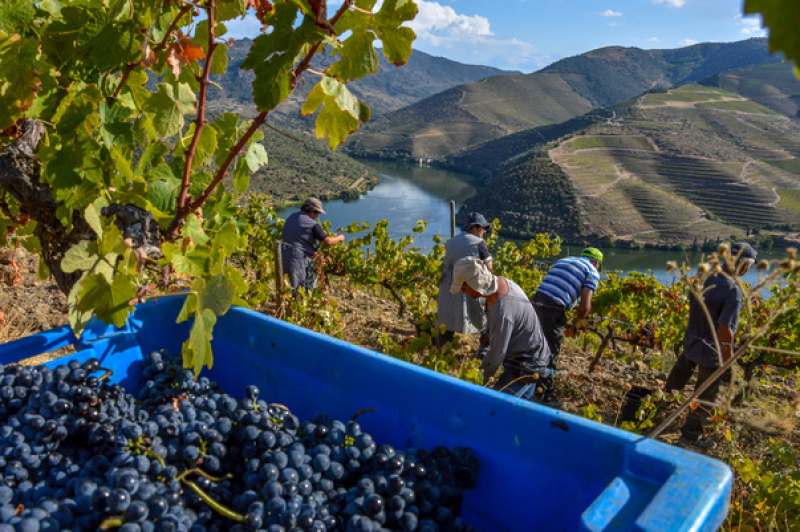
{"x":130,"y":67}
{"x":200,"y":119}
{"x":257,"y":122}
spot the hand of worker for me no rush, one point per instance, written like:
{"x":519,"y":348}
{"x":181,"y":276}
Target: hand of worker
{"x":581,"y":324}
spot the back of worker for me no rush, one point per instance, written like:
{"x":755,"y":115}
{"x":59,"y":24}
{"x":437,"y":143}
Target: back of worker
{"x":516,"y":336}
{"x":566,"y":278}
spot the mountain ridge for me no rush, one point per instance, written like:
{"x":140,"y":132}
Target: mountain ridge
{"x":561,"y":91}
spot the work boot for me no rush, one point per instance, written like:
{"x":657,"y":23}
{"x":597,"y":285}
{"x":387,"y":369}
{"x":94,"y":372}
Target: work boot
{"x":548,"y":397}
{"x":701,"y":443}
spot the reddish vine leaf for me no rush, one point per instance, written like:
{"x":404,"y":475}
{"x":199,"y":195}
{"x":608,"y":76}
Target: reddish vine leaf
{"x":263,"y":8}
{"x":183,"y":52}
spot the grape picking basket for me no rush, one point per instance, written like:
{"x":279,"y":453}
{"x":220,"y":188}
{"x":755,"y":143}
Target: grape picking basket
{"x":541,"y":469}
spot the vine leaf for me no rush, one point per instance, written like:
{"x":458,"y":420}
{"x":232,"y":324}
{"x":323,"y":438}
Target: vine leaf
{"x":168,"y":106}
{"x":81,"y":256}
{"x":183,"y":52}
{"x":341,"y":111}
{"x":256,"y":157}
{"x":194,"y":230}
{"x":781,"y":17}
{"x":197,"y":349}
{"x":218,"y":295}
{"x":21,"y":71}
{"x":109,"y":300}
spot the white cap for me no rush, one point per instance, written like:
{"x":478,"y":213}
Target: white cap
{"x":476,"y":274}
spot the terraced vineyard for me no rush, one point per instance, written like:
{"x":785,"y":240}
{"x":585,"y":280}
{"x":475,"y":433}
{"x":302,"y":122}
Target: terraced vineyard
{"x":615,"y":199}
{"x":691,"y":163}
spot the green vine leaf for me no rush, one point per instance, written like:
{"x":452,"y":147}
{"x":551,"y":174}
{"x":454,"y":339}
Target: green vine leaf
{"x":194,"y":230}
{"x":218,"y":295}
{"x":197,"y":349}
{"x":341,"y":111}
{"x":81,"y":256}
{"x":110,"y":301}
{"x":23,"y":72}
{"x":359,"y":58}
{"x":168,"y":107}
{"x":781,"y":17}
{"x":189,"y":307}
{"x":256,"y":157}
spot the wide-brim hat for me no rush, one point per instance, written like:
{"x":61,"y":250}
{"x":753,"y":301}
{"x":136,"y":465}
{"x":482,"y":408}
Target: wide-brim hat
{"x":313,"y":205}
{"x":476,"y":274}
{"x":743,"y":250}
{"x":475,"y":218}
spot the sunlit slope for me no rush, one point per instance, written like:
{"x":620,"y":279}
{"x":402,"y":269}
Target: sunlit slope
{"x":693,"y":162}
{"x":476,"y":113}
{"x":471,"y":114}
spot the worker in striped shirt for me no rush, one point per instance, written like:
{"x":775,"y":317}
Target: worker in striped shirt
{"x":570,"y":280}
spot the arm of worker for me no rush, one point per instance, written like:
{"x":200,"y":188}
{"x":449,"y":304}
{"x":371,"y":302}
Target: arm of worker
{"x":320,"y":235}
{"x":585,"y":302}
{"x":727,"y":323}
{"x":725,"y":335}
{"x":499,"y":337}
{"x":331,"y":240}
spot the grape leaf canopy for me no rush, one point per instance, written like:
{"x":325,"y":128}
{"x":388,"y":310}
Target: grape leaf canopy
{"x":103,"y":109}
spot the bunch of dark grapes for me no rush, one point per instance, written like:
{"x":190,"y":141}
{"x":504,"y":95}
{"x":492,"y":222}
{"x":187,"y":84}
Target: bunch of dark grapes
{"x":78,"y":454}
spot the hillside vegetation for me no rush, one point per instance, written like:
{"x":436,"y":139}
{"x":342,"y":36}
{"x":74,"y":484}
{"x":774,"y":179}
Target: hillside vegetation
{"x":774,"y":86}
{"x":304,"y":166}
{"x":470,"y":114}
{"x":671,"y":167}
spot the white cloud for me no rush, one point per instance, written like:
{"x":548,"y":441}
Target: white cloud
{"x":670,"y":3}
{"x":654,"y":39}
{"x":435,"y":21}
{"x":751,"y":26}
{"x":687,"y":42}
{"x":609,"y":13}
{"x":469,"y":38}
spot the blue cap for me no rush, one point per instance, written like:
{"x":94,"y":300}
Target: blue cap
{"x":475,"y":218}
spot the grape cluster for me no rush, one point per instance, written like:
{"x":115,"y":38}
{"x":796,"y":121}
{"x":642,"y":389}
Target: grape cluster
{"x":78,"y":454}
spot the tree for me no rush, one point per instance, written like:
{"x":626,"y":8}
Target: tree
{"x":111,"y":169}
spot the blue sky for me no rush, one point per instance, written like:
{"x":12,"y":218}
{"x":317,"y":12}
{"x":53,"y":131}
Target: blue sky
{"x":527,"y":35}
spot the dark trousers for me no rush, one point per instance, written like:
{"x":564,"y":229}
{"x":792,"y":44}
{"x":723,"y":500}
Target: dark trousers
{"x":553,"y":319}
{"x":678,"y":377}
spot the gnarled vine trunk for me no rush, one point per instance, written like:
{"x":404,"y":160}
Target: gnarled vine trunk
{"x":20,"y":177}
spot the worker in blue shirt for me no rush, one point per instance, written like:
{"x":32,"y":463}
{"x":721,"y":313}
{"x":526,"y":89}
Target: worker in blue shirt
{"x":300,"y":239}
{"x":569,"y":281}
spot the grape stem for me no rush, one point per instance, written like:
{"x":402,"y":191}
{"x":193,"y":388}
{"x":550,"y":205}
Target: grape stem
{"x":216,"y":506}
{"x":112,"y":522}
{"x":362,"y":411}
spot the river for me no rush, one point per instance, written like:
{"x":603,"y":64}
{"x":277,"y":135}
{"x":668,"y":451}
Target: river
{"x":409,"y":193}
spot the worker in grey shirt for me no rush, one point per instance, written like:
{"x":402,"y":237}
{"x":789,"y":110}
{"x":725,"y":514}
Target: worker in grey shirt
{"x":722,"y":298}
{"x":516,"y":339}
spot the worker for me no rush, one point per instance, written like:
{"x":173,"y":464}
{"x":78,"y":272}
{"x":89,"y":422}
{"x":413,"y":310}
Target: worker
{"x":299,"y":241}
{"x":458,"y":313}
{"x":569,"y":281}
{"x":515,"y":336}
{"x":723,"y":300}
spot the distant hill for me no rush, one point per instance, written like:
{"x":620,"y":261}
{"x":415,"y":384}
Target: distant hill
{"x":492,"y":108}
{"x":668,"y":167}
{"x":390,"y":89}
{"x":774,"y":86}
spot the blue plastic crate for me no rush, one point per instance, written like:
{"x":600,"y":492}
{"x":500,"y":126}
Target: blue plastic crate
{"x":541,"y":469}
